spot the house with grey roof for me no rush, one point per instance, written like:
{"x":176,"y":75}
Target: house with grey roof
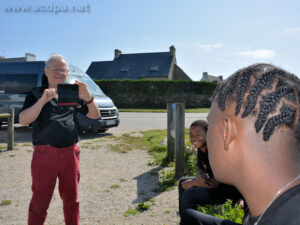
{"x":29,"y":57}
{"x":136,"y":66}
{"x":210,"y":78}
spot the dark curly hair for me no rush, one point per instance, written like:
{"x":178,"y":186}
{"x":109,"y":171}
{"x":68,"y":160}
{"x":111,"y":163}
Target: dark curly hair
{"x":267,"y":92}
{"x":200,"y":123}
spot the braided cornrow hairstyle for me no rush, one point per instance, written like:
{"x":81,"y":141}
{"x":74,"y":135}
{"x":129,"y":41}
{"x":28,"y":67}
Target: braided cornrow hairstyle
{"x":266,"y":92}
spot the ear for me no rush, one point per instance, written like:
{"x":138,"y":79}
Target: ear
{"x":229,"y":132}
{"x":46,"y":71}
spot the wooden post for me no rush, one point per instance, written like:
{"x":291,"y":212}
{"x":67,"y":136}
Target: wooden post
{"x":10,"y":128}
{"x":179,"y":139}
{"x":170,"y":127}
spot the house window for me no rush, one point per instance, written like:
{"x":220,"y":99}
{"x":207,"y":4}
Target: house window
{"x":125,"y":69}
{"x":154,"y":68}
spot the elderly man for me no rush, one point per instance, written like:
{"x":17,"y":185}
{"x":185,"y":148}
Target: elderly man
{"x":253,"y":143}
{"x":55,"y":134}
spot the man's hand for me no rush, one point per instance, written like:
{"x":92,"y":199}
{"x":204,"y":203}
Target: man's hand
{"x":48,"y":94}
{"x":84,"y":93}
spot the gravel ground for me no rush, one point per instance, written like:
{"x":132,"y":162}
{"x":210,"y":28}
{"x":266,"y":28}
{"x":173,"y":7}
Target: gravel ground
{"x":100,"y":169}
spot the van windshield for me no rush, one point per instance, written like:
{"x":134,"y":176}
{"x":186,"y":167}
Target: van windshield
{"x":92,"y":86}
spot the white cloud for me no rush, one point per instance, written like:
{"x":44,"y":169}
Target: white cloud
{"x":208,"y":47}
{"x":259,"y":53}
{"x":291,"y":30}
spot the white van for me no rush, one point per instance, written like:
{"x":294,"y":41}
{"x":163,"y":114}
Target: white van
{"x":18,"y":78}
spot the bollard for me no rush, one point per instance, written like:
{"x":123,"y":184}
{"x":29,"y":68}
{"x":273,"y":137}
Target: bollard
{"x":170,"y":130}
{"x":10,"y":128}
{"x":176,"y":136}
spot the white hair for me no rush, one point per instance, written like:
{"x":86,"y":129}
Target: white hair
{"x":55,"y":57}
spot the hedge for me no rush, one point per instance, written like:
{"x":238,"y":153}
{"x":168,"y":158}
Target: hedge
{"x":161,"y":87}
{"x":156,"y":93}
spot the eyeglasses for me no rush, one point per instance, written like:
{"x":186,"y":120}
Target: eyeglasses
{"x":55,"y":70}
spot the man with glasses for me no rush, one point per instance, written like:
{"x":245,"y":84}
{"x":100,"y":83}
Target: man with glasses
{"x":55,"y":134}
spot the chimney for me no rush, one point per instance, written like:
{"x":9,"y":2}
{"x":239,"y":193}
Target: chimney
{"x":221,"y":77}
{"x":30,"y":57}
{"x":172,"y":50}
{"x":205,"y":74}
{"x":117,"y":53}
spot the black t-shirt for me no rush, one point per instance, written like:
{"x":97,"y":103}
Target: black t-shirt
{"x":285,"y":210}
{"x":56,"y":125}
{"x":203,"y":162}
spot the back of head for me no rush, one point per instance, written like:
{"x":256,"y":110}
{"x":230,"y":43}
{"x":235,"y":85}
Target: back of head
{"x":268,"y":95}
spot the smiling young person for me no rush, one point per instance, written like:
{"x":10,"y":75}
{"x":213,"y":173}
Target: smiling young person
{"x":203,"y":189}
{"x":253,"y":142}
{"x":54,"y":136}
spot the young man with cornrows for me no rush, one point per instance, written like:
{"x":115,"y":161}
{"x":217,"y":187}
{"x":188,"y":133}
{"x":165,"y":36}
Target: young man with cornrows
{"x":253,"y":142}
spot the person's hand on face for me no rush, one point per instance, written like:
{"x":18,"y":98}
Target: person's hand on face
{"x":48,"y":94}
{"x":84,"y":93}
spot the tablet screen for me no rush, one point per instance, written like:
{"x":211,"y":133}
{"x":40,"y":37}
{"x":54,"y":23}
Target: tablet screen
{"x":67,"y":94}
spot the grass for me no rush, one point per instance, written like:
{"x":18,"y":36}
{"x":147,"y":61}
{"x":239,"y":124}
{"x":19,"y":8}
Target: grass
{"x":6,"y":202}
{"x":140,"y":207}
{"x":196,"y":110}
{"x":143,"y":206}
{"x":115,"y":186}
{"x":152,"y":141}
{"x":122,"y":148}
{"x":228,"y":211}
{"x":130,"y":212}
{"x":28,"y":144}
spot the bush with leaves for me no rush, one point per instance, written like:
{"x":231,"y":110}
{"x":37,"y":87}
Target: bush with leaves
{"x":228,"y":211}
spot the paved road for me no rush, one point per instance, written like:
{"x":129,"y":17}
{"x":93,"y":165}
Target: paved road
{"x":129,"y":122}
{"x":149,"y":121}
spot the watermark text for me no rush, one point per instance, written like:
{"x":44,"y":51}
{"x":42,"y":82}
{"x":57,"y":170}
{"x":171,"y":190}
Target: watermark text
{"x":51,"y":8}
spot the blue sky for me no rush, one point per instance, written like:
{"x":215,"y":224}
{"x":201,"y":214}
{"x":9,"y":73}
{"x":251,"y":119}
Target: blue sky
{"x":215,"y":36}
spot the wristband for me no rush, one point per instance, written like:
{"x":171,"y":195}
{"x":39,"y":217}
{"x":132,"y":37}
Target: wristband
{"x":90,"y":101}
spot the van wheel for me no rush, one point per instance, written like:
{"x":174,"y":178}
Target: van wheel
{"x":102,"y":130}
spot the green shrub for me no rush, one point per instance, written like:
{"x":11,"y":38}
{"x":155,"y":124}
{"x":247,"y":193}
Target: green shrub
{"x":142,"y":207}
{"x":156,"y":87}
{"x":229,"y":211}
{"x":156,"y":93}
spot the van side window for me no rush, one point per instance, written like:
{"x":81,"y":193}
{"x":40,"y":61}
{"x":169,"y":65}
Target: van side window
{"x":20,"y":83}
{"x":2,"y":83}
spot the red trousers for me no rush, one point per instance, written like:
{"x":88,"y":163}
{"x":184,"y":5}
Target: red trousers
{"x":48,"y":164}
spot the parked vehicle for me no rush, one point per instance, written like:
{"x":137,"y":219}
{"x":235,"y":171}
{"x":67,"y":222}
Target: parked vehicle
{"x":18,"y":78}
